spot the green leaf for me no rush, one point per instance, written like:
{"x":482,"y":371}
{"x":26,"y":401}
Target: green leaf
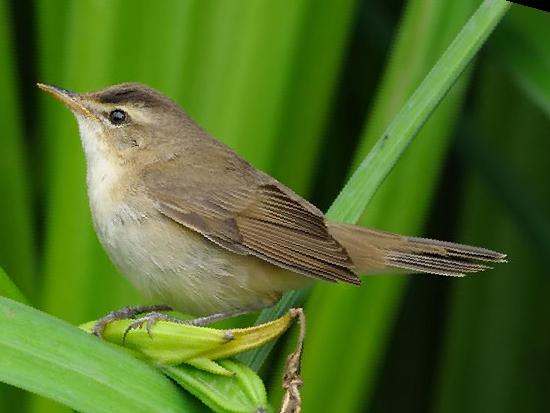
{"x":303,"y":112}
{"x":16,"y":225}
{"x":73,"y":258}
{"x":521,"y":49}
{"x":494,"y":357}
{"x":399,"y":205}
{"x":49,"y":357}
{"x":242,"y":392}
{"x":9,"y":290}
{"x":351,"y":202}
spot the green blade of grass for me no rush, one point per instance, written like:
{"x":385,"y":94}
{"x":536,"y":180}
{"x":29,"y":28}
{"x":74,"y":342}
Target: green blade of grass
{"x":211,"y":45}
{"x":479,"y":373}
{"x":161,"y":24}
{"x":498,"y":174}
{"x":353,"y":199}
{"x":49,"y":357}
{"x":304,"y":110}
{"x":9,"y":290}
{"x":234,"y":68}
{"x":16,"y":221}
{"x":254,"y":95}
{"x":526,"y":57}
{"x":84,"y":271}
{"x":510,"y":305}
{"x":351,"y":202}
{"x":17,"y":247}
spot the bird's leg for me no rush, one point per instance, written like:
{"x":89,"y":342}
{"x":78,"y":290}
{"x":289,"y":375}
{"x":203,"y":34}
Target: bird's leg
{"x":212,"y":318}
{"x":124,"y":314}
{"x":152,"y":317}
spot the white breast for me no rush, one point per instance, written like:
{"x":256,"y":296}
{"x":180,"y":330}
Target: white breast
{"x":103,"y":172}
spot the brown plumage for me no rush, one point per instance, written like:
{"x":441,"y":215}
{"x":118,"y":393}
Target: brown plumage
{"x":249,"y":212}
{"x":373,"y":251}
{"x":195,"y":226}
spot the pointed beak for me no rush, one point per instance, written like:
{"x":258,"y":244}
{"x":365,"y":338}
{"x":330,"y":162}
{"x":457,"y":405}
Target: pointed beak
{"x":71,"y":99}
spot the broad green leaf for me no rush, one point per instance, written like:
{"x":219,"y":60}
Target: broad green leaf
{"x":49,"y":357}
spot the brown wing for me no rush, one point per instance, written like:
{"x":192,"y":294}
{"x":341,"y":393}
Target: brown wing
{"x":254,"y":214}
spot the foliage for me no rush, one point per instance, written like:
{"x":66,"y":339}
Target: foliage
{"x":289,"y":85}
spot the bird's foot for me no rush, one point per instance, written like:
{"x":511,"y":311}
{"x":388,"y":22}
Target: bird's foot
{"x":151,"y":318}
{"x":124,"y":314}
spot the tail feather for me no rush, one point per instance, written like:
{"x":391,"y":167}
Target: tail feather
{"x":375,"y":251}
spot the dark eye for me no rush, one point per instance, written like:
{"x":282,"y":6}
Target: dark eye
{"x":117,"y":117}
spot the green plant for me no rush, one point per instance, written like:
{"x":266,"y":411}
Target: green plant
{"x":267,"y":78}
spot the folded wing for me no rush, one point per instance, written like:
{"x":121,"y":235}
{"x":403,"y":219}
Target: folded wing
{"x":251,"y":213}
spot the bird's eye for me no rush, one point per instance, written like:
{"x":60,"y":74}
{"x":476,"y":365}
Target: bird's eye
{"x":117,"y":117}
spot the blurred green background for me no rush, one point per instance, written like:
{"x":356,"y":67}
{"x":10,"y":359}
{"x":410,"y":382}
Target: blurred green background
{"x":302,"y":89}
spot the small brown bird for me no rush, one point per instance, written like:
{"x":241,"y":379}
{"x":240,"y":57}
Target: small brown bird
{"x":196,"y":227}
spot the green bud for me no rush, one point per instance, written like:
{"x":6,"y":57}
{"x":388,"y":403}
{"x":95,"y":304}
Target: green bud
{"x":175,"y":343}
{"x":241,"y":392}
{"x":196,"y":358}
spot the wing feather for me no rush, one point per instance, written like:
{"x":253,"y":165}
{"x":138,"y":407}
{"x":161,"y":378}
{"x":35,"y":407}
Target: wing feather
{"x":257,"y":216}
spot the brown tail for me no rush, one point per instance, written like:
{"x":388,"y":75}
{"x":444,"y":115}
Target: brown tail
{"x":374,"y":251}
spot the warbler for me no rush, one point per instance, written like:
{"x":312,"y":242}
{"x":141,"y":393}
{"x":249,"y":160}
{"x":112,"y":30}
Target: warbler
{"x":200,"y":230}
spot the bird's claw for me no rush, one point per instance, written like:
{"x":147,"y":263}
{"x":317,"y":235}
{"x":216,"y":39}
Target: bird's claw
{"x":124,"y":314}
{"x":149,"y":320}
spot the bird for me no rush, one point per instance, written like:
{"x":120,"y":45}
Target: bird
{"x":198,"y":229}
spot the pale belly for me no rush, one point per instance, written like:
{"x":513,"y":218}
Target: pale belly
{"x":170,"y":264}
